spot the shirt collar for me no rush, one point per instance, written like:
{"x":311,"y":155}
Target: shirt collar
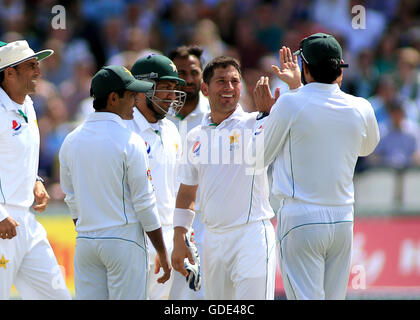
{"x":322,"y":86}
{"x":141,"y":121}
{"x":105,"y":116}
{"x":202,"y":106}
{"x":237,"y":114}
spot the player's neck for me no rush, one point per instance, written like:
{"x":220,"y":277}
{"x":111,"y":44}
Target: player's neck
{"x":13,"y":94}
{"x":218,"y":117}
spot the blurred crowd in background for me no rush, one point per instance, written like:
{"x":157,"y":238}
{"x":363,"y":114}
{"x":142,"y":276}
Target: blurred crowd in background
{"x":384,"y":57}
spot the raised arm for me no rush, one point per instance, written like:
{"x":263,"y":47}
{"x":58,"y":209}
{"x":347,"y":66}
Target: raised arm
{"x":288,"y":72}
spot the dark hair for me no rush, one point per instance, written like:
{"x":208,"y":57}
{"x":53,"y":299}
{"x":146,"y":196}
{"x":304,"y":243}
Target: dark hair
{"x":185,"y":51}
{"x":220,"y":62}
{"x":101,"y":102}
{"x":2,"y":74}
{"x":325,"y":72}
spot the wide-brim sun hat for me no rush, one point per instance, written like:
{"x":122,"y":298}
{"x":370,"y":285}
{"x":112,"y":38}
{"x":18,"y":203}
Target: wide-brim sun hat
{"x":19,"y":51}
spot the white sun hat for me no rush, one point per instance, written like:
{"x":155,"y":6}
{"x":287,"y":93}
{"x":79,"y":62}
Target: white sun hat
{"x":17,"y":52}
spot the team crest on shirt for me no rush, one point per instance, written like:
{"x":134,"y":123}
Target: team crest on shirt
{"x":234,"y":141}
{"x":196,"y":149}
{"x":3,"y":262}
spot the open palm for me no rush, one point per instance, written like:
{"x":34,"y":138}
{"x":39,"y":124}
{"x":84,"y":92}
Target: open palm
{"x":289,"y":70}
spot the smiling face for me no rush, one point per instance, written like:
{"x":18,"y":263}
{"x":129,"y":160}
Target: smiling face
{"x":27,"y":74}
{"x":223,"y":89}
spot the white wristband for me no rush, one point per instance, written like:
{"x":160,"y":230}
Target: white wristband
{"x":183,"y":218}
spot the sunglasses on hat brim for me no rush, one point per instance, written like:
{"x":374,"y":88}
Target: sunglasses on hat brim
{"x":300,"y":53}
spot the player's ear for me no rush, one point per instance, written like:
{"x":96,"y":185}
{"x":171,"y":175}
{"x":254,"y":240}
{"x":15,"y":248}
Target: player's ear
{"x":9,"y":72}
{"x":112,"y":98}
{"x":205,"y":89}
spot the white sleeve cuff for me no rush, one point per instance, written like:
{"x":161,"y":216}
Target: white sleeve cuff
{"x":149,"y":218}
{"x":183,"y":218}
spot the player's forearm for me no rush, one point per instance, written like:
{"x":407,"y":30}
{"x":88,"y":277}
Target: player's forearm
{"x":156,"y":238}
{"x":180,"y":250}
{"x":186,"y":197}
{"x":179,"y":234}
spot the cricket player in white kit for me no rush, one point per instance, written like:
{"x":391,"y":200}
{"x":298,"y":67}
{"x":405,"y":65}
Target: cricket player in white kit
{"x":163,"y":145}
{"x":26,"y":257}
{"x":314,"y":135}
{"x":105,"y":175}
{"x":188,"y":62}
{"x":239,"y":243}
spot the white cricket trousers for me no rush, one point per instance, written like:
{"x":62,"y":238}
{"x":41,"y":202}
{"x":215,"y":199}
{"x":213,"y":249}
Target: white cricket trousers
{"x":315,"y":245}
{"x":29,"y":262}
{"x":111,"y":263}
{"x":240,"y":263}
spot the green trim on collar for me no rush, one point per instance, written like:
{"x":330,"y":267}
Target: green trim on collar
{"x":23,"y":115}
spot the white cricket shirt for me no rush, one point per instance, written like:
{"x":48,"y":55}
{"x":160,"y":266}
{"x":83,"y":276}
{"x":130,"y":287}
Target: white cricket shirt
{"x":19,"y":153}
{"x":314,"y":137}
{"x":229,"y":191}
{"x":163,"y":146}
{"x":185,"y":125}
{"x":104,"y":174}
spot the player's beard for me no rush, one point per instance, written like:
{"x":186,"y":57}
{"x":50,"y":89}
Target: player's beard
{"x":191,"y":96}
{"x":157,"y":115}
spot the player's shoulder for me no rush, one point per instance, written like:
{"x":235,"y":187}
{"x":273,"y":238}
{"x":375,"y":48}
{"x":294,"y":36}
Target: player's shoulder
{"x":363,"y":108}
{"x":195,"y":130}
{"x":70,"y":137}
{"x":72,"y":134}
{"x":290,"y":104}
{"x":355,"y":99}
{"x":169,"y":125}
{"x":133,"y":138}
{"x":359,"y":103}
{"x":249,"y":118}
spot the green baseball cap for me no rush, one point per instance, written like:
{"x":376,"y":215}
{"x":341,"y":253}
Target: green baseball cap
{"x":156,"y":67}
{"x":114,"y":78}
{"x":318,"y":48}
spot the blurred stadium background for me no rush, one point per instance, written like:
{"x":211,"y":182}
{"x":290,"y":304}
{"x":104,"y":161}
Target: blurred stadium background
{"x":382,"y":48}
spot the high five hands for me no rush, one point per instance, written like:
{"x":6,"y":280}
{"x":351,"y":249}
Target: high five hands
{"x":289,"y":72}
